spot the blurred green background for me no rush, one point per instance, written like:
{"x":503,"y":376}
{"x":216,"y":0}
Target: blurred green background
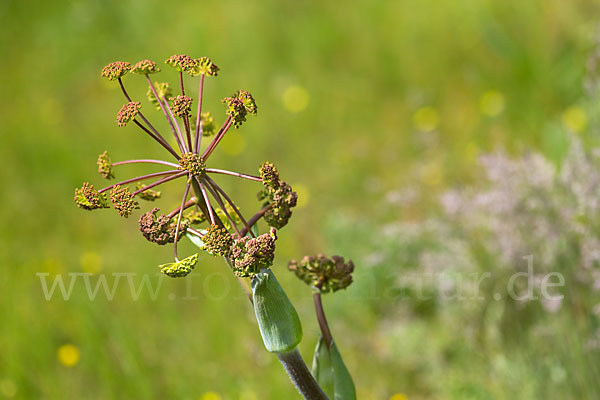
{"x":358,"y":101}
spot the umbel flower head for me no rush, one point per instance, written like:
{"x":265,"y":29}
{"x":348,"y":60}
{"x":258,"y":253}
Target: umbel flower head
{"x":253,"y":254}
{"x":104,"y":166}
{"x":160,"y":229}
{"x":128,"y":112}
{"x":226,"y":232}
{"x":88,"y":198}
{"x":278,"y":196}
{"x":325,"y":274}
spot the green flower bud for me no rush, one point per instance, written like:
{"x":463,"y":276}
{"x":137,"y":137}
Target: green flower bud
{"x":277,"y":318}
{"x":145,"y":67}
{"x":217,"y":241}
{"x":181,"y":105}
{"x":128,"y":113}
{"x":123,"y":200}
{"x":281,"y":197}
{"x":203,"y":65}
{"x":236,"y":110}
{"x":208,"y":125}
{"x":115,"y":70}
{"x":195,"y":217}
{"x":105,"y":166}
{"x":192,"y":163}
{"x":163,"y":89}
{"x":247,"y":101}
{"x":180,"y":268}
{"x":148,"y":194}
{"x":269,"y":175}
{"x":88,"y":198}
{"x":326,"y":274}
{"x":330,"y":371}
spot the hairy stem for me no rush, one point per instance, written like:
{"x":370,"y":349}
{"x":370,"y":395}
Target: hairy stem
{"x":296,"y":368}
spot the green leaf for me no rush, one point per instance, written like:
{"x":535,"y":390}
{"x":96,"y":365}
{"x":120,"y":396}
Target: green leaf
{"x":322,"y":369}
{"x":277,"y":318}
{"x":331,"y":372}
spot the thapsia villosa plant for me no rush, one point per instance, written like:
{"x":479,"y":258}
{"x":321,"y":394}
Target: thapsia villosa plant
{"x":210,"y":218}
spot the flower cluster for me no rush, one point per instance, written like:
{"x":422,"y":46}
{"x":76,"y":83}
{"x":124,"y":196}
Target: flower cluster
{"x":116,"y":70}
{"x":123,"y":201}
{"x":181,"y":105}
{"x":278,"y":196}
{"x":88,"y":198}
{"x":193,"y":66}
{"x":239,"y":105}
{"x":104,"y":166}
{"x":218,"y":241}
{"x":128,"y":112}
{"x":145,"y":67}
{"x":326,"y":274}
{"x":160,"y":229}
{"x":227,"y":232}
{"x":253,"y":254}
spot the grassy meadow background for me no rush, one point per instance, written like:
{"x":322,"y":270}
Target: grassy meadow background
{"x":361,"y":105}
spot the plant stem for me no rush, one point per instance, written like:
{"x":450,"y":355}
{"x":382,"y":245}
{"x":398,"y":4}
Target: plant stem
{"x":225,"y":172}
{"x":296,"y":368}
{"x":255,"y":218}
{"x":322,"y":320}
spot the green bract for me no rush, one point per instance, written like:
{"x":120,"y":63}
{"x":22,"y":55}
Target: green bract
{"x":181,"y":268}
{"x":277,"y":318}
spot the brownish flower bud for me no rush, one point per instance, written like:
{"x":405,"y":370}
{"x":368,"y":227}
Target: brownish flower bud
{"x":145,"y":67}
{"x":326,"y":274}
{"x":181,"y":105}
{"x":88,"y":198}
{"x":123,"y":201}
{"x":161,"y":229}
{"x":217,"y":241}
{"x":269,"y":175}
{"x":253,"y":254}
{"x":181,"y":62}
{"x":128,"y":112}
{"x":104,"y":166}
{"x":115,"y":70}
